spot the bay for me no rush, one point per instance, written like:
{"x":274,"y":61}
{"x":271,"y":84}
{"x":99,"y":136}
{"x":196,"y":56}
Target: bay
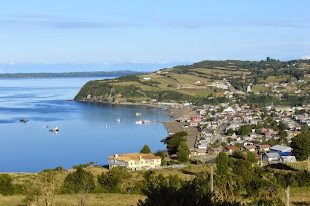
{"x":82,"y":136}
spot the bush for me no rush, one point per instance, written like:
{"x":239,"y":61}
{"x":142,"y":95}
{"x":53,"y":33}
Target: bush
{"x":78,"y":181}
{"x":111,"y":181}
{"x":6,"y":186}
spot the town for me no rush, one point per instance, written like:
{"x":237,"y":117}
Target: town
{"x":267,"y":132}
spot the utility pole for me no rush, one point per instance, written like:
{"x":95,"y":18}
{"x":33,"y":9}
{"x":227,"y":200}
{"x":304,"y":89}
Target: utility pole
{"x":308,"y":163}
{"x":287,"y":191}
{"x":211,"y":178}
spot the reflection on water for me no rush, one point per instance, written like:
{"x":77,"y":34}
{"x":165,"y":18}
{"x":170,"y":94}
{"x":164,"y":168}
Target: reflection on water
{"x":82,"y":135}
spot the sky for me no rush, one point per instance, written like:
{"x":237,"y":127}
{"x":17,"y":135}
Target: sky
{"x":157,"y":31}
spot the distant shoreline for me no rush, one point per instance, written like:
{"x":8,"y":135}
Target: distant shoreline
{"x":69,"y":74}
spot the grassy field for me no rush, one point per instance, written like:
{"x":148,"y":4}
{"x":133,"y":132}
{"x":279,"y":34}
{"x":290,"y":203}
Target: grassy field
{"x":298,"y":196}
{"x":259,"y":88}
{"x":71,"y":200}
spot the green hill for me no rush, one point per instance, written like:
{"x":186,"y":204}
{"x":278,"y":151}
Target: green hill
{"x":206,"y":81}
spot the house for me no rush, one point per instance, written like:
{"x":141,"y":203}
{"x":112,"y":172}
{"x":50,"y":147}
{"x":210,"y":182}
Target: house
{"x":135,"y":161}
{"x":203,"y":144}
{"x":198,"y":152}
{"x":280,"y":149}
{"x":215,"y":150}
{"x":263,"y":148}
{"x":289,"y":158}
{"x":193,"y":123}
{"x":230,"y":149}
{"x":270,"y":157}
{"x":251,"y":148}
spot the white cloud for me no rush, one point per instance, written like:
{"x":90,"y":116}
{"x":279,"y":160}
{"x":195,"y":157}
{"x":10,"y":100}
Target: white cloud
{"x":306,"y":57}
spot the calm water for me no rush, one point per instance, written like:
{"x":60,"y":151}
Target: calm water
{"x":82,"y":137}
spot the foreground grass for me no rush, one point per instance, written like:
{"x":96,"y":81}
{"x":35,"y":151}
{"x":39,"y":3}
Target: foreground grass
{"x":93,"y":200}
{"x":298,"y":196}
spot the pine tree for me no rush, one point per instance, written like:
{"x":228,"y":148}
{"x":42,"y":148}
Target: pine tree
{"x":183,"y":152}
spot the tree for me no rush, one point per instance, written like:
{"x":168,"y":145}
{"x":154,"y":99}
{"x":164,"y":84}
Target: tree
{"x":183,"y":152}
{"x":222,"y":163}
{"x":305,"y":129}
{"x":301,"y":146}
{"x":282,"y":126}
{"x":251,"y":157}
{"x":230,"y":131}
{"x":111,"y":181}
{"x":244,"y":130}
{"x":6,"y":186}
{"x":223,"y":144}
{"x":47,"y":187}
{"x":78,"y":181}
{"x":237,"y":154}
{"x":282,"y":134}
{"x":174,"y":141}
{"x":145,"y":149}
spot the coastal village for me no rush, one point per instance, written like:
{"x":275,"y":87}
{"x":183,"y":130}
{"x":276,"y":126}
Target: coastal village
{"x":266,"y":132}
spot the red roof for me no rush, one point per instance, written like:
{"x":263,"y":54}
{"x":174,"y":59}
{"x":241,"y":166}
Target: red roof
{"x":266,"y":131}
{"x":249,"y":147}
{"x":232,"y":147}
{"x":264,"y":146}
{"x":195,"y":117}
{"x":257,"y":109}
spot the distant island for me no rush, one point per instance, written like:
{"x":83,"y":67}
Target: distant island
{"x":71,"y":74}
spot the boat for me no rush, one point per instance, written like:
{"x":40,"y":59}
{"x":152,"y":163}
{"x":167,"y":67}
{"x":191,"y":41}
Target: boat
{"x":143,"y":122}
{"x":55,"y":129}
{"x":24,"y":120}
{"x":138,"y":114}
{"x":118,"y":120}
{"x":146,"y":121}
{"x":106,"y":126}
{"x":45,"y":127}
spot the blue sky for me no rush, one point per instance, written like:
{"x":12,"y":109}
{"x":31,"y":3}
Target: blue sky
{"x":115,"y":31}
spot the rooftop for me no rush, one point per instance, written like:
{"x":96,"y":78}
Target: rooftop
{"x":280,"y":148}
{"x":134,"y":156}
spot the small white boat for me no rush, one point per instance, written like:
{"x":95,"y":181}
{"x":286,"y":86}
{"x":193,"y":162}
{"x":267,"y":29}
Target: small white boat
{"x":138,"y":122}
{"x":55,"y":129}
{"x":143,"y":122}
{"x":138,"y":114}
{"x":146,"y":121}
{"x":118,"y":120}
{"x":45,"y":127}
{"x":106,"y":126}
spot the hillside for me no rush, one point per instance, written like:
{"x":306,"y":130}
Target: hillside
{"x":209,"y":82}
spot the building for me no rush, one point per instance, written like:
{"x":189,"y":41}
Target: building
{"x":251,"y":148}
{"x":280,"y":149}
{"x":271,"y":157}
{"x":230,"y":149}
{"x":263,"y":148}
{"x":134,"y":161}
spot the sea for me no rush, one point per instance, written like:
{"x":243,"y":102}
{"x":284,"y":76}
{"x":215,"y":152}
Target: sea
{"x":87,"y":132}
